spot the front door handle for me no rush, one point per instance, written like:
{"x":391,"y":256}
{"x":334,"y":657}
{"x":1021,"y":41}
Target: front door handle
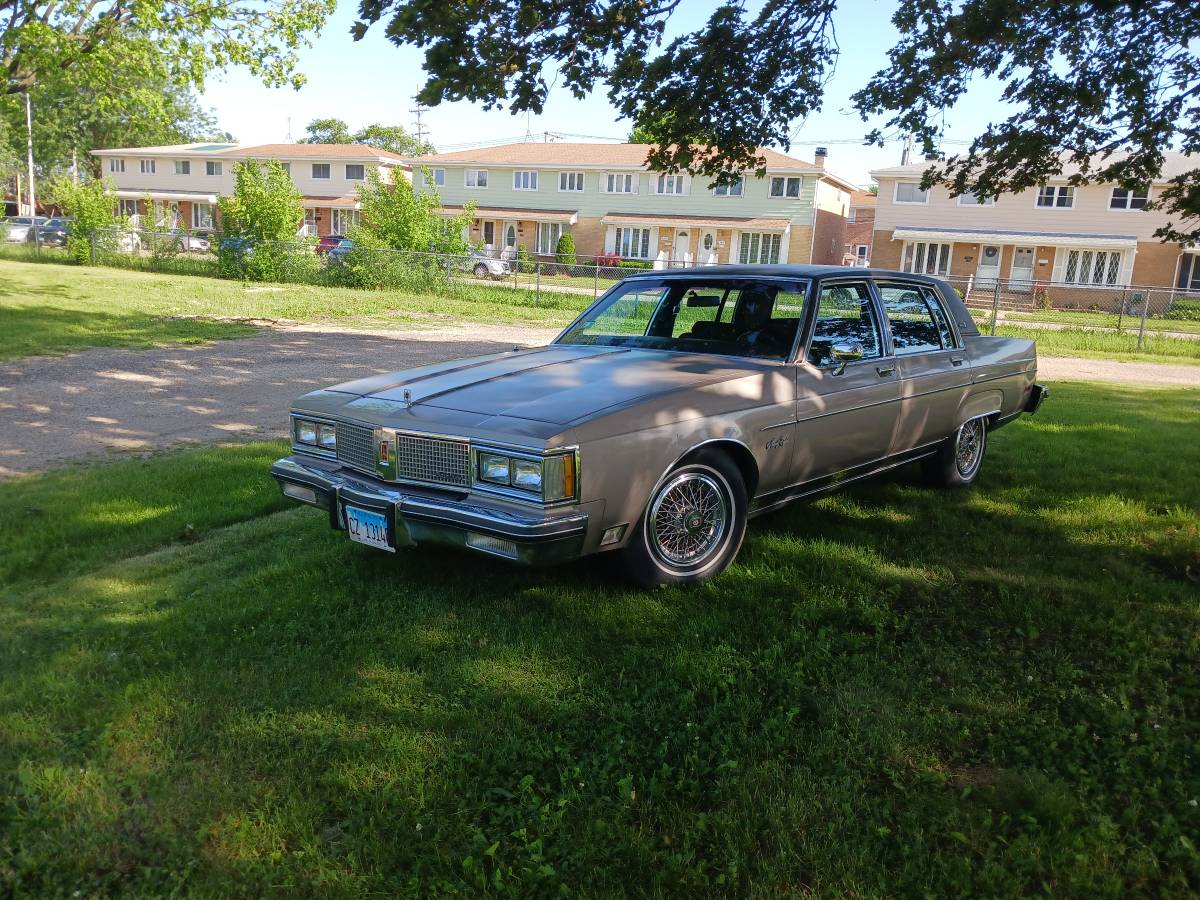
{"x":884,"y":371}
{"x":956,"y":360}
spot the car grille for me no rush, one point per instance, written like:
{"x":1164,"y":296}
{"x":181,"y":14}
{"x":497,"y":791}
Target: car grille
{"x":428,"y":459}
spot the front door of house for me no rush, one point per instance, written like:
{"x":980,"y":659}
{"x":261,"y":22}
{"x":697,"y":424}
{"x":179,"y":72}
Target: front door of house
{"x":489,"y":236}
{"x":708,"y":247}
{"x":988,"y":269}
{"x":510,"y":237}
{"x":682,"y":255}
{"x":1022,"y":265}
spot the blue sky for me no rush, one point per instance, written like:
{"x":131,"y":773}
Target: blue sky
{"x":374,"y":81}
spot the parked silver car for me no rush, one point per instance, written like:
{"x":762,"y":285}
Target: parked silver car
{"x":678,"y":406}
{"x":17,"y":228}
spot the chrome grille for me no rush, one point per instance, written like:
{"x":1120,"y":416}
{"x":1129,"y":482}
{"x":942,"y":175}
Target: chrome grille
{"x":436,"y":460}
{"x":356,"y":446}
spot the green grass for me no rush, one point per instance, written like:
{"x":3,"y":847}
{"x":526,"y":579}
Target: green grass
{"x":895,"y":691}
{"x":1101,"y":319}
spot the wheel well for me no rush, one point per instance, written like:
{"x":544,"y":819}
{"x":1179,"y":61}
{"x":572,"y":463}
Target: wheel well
{"x":742,"y":458}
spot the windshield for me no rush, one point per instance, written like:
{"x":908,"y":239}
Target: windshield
{"x":727,"y":316}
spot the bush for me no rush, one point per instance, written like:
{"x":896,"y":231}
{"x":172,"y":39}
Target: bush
{"x":91,"y":209}
{"x":260,"y":222}
{"x":524,"y":264}
{"x":635,"y":264}
{"x":1041,"y":298}
{"x":1185,"y":309}
{"x":565,"y":251}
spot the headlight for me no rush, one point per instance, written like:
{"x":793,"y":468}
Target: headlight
{"x":493,"y":468}
{"x":306,"y":432}
{"x":527,"y":474}
{"x":327,"y":437}
{"x":559,"y":477}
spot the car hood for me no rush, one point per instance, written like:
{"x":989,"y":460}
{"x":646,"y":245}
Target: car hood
{"x":555,"y":385}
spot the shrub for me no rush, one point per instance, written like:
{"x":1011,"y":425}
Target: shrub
{"x":565,"y":251}
{"x":635,"y":264}
{"x":260,"y":222}
{"x":524,"y":264}
{"x":1184,"y":309}
{"x":1041,"y":298}
{"x":91,"y":207}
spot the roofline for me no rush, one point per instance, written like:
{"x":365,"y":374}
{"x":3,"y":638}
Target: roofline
{"x":801,"y":168}
{"x":239,"y":152}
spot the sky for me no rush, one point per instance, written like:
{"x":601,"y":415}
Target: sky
{"x":372,"y":80}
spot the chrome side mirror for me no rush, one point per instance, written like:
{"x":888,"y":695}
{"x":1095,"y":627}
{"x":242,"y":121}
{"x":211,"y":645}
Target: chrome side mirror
{"x":845,"y":352}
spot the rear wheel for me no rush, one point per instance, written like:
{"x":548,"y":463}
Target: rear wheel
{"x":693,"y":525}
{"x":960,"y":458}
{"x":481,"y":271}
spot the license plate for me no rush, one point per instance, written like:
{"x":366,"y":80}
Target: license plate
{"x":367,"y":527}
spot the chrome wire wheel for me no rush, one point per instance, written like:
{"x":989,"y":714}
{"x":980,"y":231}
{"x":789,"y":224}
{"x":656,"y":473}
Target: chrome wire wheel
{"x":689,"y":520}
{"x":968,"y":447}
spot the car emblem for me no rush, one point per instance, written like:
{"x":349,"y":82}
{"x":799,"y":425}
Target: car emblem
{"x":407,"y":399}
{"x":383,"y":452}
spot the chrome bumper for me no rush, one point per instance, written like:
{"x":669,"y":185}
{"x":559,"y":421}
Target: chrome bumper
{"x":416,"y":516}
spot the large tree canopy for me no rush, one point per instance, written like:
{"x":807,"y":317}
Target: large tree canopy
{"x":1100,"y":87}
{"x":382,"y":137}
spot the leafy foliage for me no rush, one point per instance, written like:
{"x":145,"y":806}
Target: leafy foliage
{"x":383,"y":137}
{"x":564,"y":251}
{"x":259,"y":221}
{"x":1098,"y":91}
{"x":92,"y":208}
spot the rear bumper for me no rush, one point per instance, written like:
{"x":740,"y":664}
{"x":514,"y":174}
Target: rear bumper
{"x":1037,"y":394}
{"x":415,"y":516}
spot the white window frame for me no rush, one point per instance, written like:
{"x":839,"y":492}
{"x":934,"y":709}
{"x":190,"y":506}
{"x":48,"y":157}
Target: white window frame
{"x":319,"y":168}
{"x":525,"y":179}
{"x":1086,"y":258}
{"x":728,"y":190}
{"x":968,"y":199}
{"x":861,"y":251}
{"x":361,"y":168}
{"x":475,"y":179}
{"x":213,"y":168}
{"x":570,"y":182}
{"x":342,"y":219}
{"x":635,"y":240}
{"x":116,"y":166}
{"x":1056,"y":192}
{"x":183,"y":167}
{"x":918,"y":262}
{"x":852,"y":216}
{"x":759,"y":248}
{"x":665,"y":184}
{"x":439,"y":177}
{"x":546,"y":242}
{"x":127,"y":207}
{"x":916,"y":185}
{"x":203,"y":222}
{"x":1131,"y":194}
{"x":611,"y":181}
{"x":287,"y":167}
{"x":785,"y":184}
{"x":146,"y":167}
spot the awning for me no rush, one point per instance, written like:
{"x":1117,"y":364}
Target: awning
{"x":1028,"y":238}
{"x":335,"y":202}
{"x":565,"y":216}
{"x":757,"y":223}
{"x":167,"y":195}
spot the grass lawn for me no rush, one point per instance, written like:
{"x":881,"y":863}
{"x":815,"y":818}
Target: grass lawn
{"x":1100,"y":319}
{"x":895,"y":691}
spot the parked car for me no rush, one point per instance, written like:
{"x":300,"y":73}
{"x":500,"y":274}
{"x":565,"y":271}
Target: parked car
{"x":337,"y":253}
{"x":52,"y":234}
{"x":483,"y":266}
{"x":188,"y":241}
{"x":677,"y":407}
{"x":17,"y":227}
{"x":327,"y":242}
{"x":239,"y":247}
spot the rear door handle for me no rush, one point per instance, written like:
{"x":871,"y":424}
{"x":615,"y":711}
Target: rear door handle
{"x":956,"y":360}
{"x":885,"y":370}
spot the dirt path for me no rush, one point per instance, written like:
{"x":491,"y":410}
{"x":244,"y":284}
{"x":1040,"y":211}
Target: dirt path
{"x":53,"y":409}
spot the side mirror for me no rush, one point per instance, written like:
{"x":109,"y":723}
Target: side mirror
{"x":846,"y":352}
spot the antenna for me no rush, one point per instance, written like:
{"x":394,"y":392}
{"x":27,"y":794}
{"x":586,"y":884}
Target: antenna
{"x":528,"y":130}
{"x":418,"y":111}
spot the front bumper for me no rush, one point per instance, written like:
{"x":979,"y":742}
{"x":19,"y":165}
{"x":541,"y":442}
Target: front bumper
{"x":416,"y":516}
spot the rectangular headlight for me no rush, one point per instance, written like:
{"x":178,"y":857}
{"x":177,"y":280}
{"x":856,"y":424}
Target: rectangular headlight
{"x":527,"y":474}
{"x":306,"y":432}
{"x":559,"y":477}
{"x":493,"y":468}
{"x":327,"y":437}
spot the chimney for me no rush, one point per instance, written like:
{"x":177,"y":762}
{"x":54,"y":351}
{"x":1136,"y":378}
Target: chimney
{"x":819,"y":157}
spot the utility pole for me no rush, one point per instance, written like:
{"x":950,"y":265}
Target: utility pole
{"x":907,"y":151}
{"x":29,"y":154}
{"x":419,"y":110}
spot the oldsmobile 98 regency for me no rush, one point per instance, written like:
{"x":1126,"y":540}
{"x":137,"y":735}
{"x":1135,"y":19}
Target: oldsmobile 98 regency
{"x":678,"y":406}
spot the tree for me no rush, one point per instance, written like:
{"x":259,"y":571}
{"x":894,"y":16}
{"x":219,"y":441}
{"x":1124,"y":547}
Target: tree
{"x":92,"y":208}
{"x":327,"y":131}
{"x":1100,"y":89}
{"x":393,"y":217}
{"x":259,"y":221}
{"x":392,"y":138}
{"x":564,"y":251}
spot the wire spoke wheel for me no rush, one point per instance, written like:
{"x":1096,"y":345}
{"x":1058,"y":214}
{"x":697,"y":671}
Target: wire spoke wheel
{"x":689,"y":520}
{"x":968,"y":447}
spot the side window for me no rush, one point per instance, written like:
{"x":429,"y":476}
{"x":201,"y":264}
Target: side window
{"x":915,"y":329}
{"x":940,"y":316}
{"x":844,"y":316}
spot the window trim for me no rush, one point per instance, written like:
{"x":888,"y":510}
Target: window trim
{"x":1120,"y":282}
{"x":658,"y":179}
{"x":328,"y":172}
{"x":896,"y":194}
{"x":531,"y":179}
{"x":537,"y":237}
{"x":1130,"y":195}
{"x":476,"y":186}
{"x":923,"y":290}
{"x":213,"y":168}
{"x":568,"y":177}
{"x":359,"y":166}
{"x":185,"y":165}
{"x":1057,"y":188}
{"x":741,"y":182}
{"x":935,"y":273}
{"x":771,"y":179}
{"x":212,"y":216}
{"x":987,"y":201}
{"x":633,"y":179}
{"x":147,"y":167}
{"x":810,"y":327}
{"x":439,"y":177}
{"x":648,"y":243}
{"x":116,"y":165}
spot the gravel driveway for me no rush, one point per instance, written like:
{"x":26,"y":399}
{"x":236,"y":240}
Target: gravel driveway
{"x":53,"y":409}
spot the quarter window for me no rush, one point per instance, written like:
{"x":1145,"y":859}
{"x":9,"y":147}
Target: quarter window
{"x":730,"y":190}
{"x":1095,"y":267}
{"x":845,"y":315}
{"x":548,"y":234}
{"x":786,"y":187}
{"x":1124,"y":198}
{"x":911,"y":192}
{"x":633,"y":243}
{"x":620,"y":183}
{"x":116,"y":166}
{"x":355,"y":172}
{"x":475,"y":178}
{"x":1056,"y":196}
{"x":926,"y":258}
{"x":570,"y":181}
{"x":525,"y":181}
{"x":212,"y":168}
{"x":755,"y":248}
{"x":917,"y":321}
{"x":183,"y":167}
{"x":320,"y":170}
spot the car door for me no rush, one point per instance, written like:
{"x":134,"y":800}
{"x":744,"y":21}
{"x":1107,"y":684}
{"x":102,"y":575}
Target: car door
{"x":846,"y":409}
{"x":933,"y":369}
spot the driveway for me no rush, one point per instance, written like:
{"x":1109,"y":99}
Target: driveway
{"x":53,"y":409}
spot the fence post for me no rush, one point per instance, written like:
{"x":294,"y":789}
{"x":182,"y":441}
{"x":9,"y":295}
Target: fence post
{"x":449,"y":271}
{"x":537,"y":300}
{"x":1142,"y":326}
{"x":1121,"y":309}
{"x":995,"y":305}
{"x":92,"y":241}
{"x":595,"y":279}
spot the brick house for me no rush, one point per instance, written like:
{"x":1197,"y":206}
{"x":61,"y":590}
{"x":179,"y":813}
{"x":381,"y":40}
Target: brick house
{"x":860,"y":229}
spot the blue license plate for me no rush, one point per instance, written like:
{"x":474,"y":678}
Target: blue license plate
{"x":368,"y":528}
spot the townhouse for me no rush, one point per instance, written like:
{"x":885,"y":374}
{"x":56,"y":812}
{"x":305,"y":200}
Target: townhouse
{"x":1098,"y":237}
{"x":606,"y":197}
{"x":178,"y":186}
{"x":860,"y":229}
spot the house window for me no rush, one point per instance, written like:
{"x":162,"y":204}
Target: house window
{"x":356,"y":172}
{"x":202,"y":216}
{"x":146,"y":166}
{"x":548,"y":234}
{"x":183,"y":167}
{"x":730,"y":190}
{"x":911,"y":192}
{"x":439,"y":177}
{"x":785,"y":187}
{"x":926,"y":258}
{"x":320,"y":170}
{"x":116,"y":166}
{"x":1123,"y":198}
{"x":344,"y":220}
{"x":1101,"y":268}
{"x":967,"y":198}
{"x":1060,"y":196}
{"x":668,"y":184}
{"x":212,"y":168}
{"x":524,"y":180}
{"x":759,"y":249}
{"x":287,"y":167}
{"x":1189,"y":272}
{"x":570,"y":181}
{"x":620,"y":183}
{"x":475,"y":178}
{"x":852,"y":216}
{"x":633,"y":243}
{"x":127,"y":208}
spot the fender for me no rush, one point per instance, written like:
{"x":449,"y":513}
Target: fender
{"x":984,"y":403}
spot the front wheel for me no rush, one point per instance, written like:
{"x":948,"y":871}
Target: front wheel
{"x":960,"y":458}
{"x":481,"y":271}
{"x":693,"y":525}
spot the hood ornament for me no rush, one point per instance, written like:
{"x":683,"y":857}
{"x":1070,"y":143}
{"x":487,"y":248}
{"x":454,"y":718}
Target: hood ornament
{"x":407,"y":399}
